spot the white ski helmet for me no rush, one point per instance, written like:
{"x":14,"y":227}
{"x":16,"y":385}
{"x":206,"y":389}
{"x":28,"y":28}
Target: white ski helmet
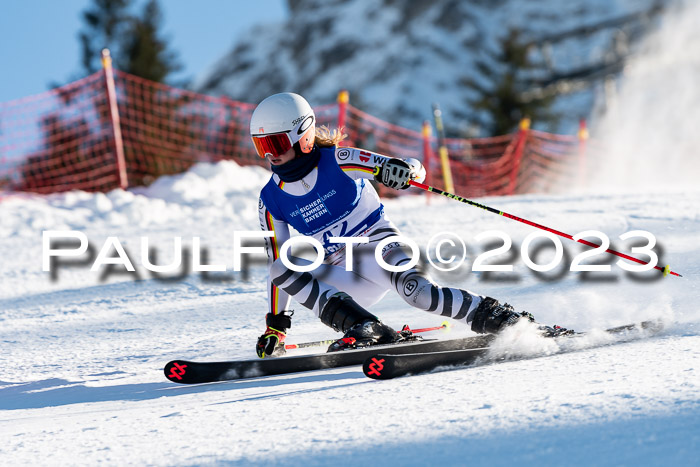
{"x":281,"y":121}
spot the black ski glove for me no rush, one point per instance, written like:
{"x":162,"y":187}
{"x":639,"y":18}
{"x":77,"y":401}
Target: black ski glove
{"x":395,"y":173}
{"x":271,"y":343}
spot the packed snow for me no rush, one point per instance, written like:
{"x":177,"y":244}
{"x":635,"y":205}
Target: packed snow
{"x":83,"y":353}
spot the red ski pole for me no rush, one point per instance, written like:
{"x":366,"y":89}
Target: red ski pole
{"x":666,"y":270}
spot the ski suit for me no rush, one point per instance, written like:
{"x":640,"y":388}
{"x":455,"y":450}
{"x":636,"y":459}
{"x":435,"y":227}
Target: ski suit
{"x":336,"y":200}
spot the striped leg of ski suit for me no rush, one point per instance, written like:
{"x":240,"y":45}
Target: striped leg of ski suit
{"x":367,"y":283}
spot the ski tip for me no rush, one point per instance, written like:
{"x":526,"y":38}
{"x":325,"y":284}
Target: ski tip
{"x":176,"y":371}
{"x":374,"y":367}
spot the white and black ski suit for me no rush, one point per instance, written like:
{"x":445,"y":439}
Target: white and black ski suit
{"x":336,"y":200}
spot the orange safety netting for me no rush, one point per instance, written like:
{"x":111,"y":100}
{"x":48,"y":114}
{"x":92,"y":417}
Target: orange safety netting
{"x":58,"y":140}
{"x":65,"y":139}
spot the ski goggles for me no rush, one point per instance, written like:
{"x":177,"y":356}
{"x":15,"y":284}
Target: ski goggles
{"x":274,"y":144}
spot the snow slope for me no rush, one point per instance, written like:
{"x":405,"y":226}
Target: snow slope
{"x":82,"y":357}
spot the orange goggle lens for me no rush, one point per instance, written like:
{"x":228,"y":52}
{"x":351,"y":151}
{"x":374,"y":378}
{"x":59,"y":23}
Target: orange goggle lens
{"x":275,"y":144}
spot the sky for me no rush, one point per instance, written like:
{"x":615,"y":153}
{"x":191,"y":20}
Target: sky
{"x":39,"y":38}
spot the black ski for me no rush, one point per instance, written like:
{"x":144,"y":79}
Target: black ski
{"x":382,"y":365}
{"x":187,"y":372}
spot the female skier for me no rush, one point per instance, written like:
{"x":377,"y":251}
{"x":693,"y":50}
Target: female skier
{"x":321,"y":190}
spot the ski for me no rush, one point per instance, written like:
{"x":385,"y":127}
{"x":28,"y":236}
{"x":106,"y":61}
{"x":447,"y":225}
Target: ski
{"x":189,"y":372}
{"x":385,"y":366}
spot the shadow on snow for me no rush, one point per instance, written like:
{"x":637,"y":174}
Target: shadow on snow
{"x":56,"y":392}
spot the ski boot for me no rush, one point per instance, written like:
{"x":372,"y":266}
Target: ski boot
{"x":361,"y":327}
{"x":491,"y":317}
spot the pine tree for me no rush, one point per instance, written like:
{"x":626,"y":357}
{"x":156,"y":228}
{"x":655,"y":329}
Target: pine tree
{"x":106,"y":22}
{"x":144,"y":52}
{"x":134,"y":41}
{"x":504,"y":101}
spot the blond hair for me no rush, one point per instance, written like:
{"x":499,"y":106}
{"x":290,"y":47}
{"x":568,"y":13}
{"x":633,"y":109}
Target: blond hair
{"x":325,"y":137}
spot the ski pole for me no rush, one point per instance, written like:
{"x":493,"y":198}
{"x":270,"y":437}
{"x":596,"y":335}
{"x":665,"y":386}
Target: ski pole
{"x":666,"y":270}
{"x":304,"y":345}
{"x":445,"y":326}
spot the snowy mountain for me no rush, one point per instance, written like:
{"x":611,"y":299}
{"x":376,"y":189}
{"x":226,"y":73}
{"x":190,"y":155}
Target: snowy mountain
{"x":82,"y":355}
{"x":396,"y":58}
